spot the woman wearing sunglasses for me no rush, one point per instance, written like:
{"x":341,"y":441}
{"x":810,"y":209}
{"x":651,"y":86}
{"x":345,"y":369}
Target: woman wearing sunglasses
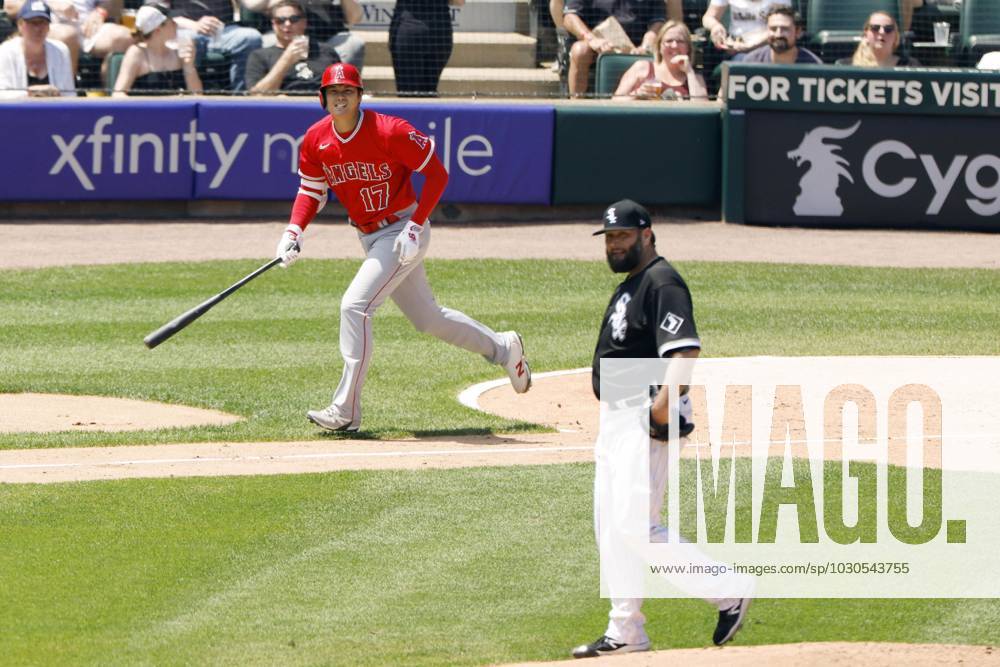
{"x":879,"y":41}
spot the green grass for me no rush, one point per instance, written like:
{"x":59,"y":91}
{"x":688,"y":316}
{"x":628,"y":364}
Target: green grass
{"x":270,"y":352}
{"x":465,"y":567}
{"x":433,"y":567}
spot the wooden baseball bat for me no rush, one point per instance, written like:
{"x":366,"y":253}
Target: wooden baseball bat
{"x":181,"y":321}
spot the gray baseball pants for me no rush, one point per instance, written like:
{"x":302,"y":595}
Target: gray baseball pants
{"x":382,"y":276}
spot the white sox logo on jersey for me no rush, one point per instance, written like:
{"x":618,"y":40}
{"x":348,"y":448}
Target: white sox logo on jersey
{"x":671,"y":323}
{"x":618,"y":323}
{"x":418,"y":139}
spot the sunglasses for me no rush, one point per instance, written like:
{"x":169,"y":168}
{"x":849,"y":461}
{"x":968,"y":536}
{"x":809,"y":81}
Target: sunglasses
{"x":293,"y":19}
{"x":886,"y":29}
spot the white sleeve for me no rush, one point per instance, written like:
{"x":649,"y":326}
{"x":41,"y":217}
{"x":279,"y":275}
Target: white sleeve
{"x":11,"y":71}
{"x":60,"y":68}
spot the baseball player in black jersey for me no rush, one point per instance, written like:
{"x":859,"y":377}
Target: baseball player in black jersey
{"x":650,"y":315}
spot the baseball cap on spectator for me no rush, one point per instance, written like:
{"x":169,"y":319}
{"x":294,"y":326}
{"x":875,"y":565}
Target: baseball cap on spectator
{"x":990,"y":61}
{"x":149,"y":18}
{"x":625,"y":214}
{"x":34,"y":9}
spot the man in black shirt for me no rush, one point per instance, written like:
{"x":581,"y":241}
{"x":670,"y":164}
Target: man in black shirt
{"x":330,"y":23}
{"x":210,"y":24}
{"x":297,"y":63}
{"x":650,"y":316}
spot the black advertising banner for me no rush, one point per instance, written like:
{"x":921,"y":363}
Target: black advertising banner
{"x":849,"y":169}
{"x":953,"y":92}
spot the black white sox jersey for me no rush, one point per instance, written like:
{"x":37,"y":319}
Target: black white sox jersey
{"x":650,"y":316}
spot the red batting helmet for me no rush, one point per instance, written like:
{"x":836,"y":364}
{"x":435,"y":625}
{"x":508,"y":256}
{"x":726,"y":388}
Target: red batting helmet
{"x":339,"y":74}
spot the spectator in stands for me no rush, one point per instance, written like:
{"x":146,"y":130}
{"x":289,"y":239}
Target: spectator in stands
{"x":906,"y":8}
{"x":420,"y":42}
{"x":31,"y":64}
{"x":83,"y":27}
{"x":640,"y":19}
{"x":297,"y":62}
{"x":566,"y":39}
{"x":160,"y":63}
{"x":329,"y":22}
{"x":210,"y":24}
{"x":747,"y":23}
{"x":879,"y":41}
{"x":7,"y":27}
{"x":675,"y":11}
{"x":783,"y":31}
{"x":671,"y":75}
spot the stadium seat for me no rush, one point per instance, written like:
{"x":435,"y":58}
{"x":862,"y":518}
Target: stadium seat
{"x":114,"y":66}
{"x":88,"y":73}
{"x":979,"y":29}
{"x":834,"y":26}
{"x":610,"y":67}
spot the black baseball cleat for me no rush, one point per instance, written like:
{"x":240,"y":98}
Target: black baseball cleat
{"x":606,"y":646}
{"x":730,"y":621}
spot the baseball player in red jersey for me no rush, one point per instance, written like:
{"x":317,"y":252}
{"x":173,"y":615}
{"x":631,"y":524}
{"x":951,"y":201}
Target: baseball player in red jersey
{"x":367,"y":158}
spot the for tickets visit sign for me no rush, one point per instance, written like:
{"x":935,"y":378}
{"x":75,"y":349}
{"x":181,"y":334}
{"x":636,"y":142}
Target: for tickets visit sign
{"x":847,"y":89}
{"x":233,"y":149}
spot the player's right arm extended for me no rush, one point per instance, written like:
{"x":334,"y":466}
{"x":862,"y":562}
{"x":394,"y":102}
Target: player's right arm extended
{"x":311,"y":195}
{"x":309,"y":200}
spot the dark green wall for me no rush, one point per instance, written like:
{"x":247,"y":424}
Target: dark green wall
{"x":662,"y":154}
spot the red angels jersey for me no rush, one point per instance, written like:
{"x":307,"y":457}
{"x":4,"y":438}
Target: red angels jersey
{"x":368,"y":170}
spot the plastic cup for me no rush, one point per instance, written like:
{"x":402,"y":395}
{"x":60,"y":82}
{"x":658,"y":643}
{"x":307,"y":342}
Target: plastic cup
{"x":128,"y":18}
{"x":941,"y":32}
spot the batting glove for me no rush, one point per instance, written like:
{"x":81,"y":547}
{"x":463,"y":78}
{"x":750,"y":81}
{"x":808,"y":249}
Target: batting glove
{"x":408,"y":243}
{"x":289,"y":245}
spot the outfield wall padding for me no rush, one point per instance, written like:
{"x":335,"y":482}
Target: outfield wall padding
{"x":236,"y":149}
{"x":655,"y":154}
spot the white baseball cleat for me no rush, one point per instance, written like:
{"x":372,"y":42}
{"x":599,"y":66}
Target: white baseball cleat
{"x":331,"y":420}
{"x":517,"y":366}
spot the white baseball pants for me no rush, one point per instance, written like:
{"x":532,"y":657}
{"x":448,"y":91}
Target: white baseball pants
{"x":382,"y":276}
{"x":626,"y":622}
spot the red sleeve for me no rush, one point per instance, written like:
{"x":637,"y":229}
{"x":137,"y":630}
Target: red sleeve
{"x":311,"y":196}
{"x":434,"y":185}
{"x":410,"y":146}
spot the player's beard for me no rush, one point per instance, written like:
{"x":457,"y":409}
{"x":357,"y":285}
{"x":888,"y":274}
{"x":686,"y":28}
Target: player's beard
{"x":629,"y":260}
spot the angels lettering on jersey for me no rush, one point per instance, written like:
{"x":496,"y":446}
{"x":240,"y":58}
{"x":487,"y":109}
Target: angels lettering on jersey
{"x":356,"y":171}
{"x":369,"y":169}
